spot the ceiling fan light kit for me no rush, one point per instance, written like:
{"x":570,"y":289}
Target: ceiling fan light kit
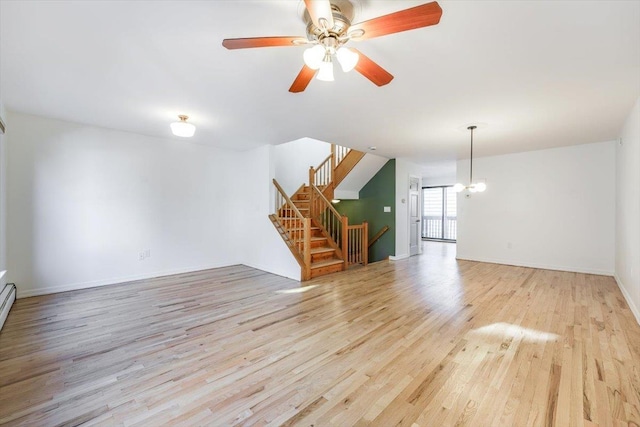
{"x":183,"y":128}
{"x":326,"y":70}
{"x":329,"y":28}
{"x":347,"y":58}
{"x":313,"y":56}
{"x":473,"y":187}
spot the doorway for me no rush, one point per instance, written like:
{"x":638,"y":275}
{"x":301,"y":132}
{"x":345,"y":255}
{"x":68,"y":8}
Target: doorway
{"x":439,"y":213}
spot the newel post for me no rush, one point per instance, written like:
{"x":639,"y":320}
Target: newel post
{"x":307,"y":249}
{"x":345,"y":241}
{"x":312,"y":175}
{"x":333,"y":159}
{"x":365,"y":243}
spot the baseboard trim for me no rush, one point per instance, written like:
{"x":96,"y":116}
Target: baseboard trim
{"x":540,"y":266}
{"x":26,"y":293}
{"x":627,"y":298}
{"x":399,"y":257}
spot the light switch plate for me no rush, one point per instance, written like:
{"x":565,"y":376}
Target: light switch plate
{"x":387,"y":208}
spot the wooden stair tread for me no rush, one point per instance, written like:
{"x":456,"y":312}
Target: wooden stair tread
{"x":313,"y":239}
{"x":326,"y":263}
{"x":321,"y":249}
{"x":301,"y":228}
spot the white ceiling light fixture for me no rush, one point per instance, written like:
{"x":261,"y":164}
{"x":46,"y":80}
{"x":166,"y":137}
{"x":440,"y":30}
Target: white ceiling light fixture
{"x":326,"y":69}
{"x":182,"y":128}
{"x":313,"y":56}
{"x":347,"y":58}
{"x":473,"y":187}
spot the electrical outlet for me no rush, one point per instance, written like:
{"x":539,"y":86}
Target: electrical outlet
{"x":141,"y":256}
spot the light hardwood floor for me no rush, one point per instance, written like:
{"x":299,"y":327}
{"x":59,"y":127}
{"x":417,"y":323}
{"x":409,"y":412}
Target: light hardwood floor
{"x":428,"y":341}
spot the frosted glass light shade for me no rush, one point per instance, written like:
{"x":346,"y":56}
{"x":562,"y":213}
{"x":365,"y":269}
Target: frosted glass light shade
{"x":480,"y":187}
{"x":182,"y":128}
{"x":326,"y":71}
{"x":458,"y":188}
{"x":313,"y":56}
{"x":347,"y":58}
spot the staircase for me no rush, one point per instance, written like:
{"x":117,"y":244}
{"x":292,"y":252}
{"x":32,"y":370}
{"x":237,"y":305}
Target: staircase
{"x":320,"y":239}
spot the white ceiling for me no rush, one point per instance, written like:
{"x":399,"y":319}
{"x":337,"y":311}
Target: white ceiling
{"x":539,"y":73}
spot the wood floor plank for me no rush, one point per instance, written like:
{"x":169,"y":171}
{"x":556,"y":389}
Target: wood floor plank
{"x":419,"y":342}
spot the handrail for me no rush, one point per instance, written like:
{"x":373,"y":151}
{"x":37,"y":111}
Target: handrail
{"x":329,"y":219}
{"x":323,"y":173}
{"x":326,"y":201}
{"x":287,"y":200}
{"x":328,"y":159}
{"x":295,"y":237}
{"x":378,"y":235}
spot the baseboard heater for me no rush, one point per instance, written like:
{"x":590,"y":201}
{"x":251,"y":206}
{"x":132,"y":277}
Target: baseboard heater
{"x":7,"y":297}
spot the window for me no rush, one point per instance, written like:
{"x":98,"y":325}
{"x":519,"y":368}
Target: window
{"x":439,"y":217}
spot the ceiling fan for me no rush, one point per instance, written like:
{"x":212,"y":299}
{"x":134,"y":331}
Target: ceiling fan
{"x":329,"y":29}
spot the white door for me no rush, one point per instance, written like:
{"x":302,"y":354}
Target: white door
{"x":414,"y":216}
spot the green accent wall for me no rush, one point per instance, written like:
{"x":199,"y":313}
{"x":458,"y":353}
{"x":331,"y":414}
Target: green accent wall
{"x":379,"y":192}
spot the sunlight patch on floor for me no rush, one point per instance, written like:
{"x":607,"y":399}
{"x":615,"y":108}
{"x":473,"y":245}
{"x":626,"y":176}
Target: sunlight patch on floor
{"x":501,"y":330}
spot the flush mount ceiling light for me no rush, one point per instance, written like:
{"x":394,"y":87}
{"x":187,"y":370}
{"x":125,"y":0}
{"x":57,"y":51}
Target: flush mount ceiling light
{"x":473,"y":187}
{"x":182,"y":128}
{"x":330,"y":27}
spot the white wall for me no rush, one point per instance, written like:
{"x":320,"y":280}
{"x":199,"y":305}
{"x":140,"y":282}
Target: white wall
{"x":404,"y":169}
{"x":262,"y":246}
{"x":627,"y":267}
{"x":440,"y":173}
{"x":3,"y":206}
{"x":293,"y":159}
{"x":84,"y":201}
{"x":548,"y":209}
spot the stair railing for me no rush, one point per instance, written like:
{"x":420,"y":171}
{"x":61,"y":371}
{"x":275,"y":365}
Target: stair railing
{"x":322,"y":175}
{"x":340,"y":153}
{"x":323,"y":212}
{"x":351,"y":240}
{"x":358,"y":246}
{"x":378,"y":235}
{"x":296,"y":227}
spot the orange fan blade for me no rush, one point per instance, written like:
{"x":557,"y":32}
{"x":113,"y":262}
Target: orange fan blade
{"x":260,"y":42}
{"x":302,"y":81}
{"x":371,"y":70}
{"x":320,"y":10}
{"x":408,"y":19}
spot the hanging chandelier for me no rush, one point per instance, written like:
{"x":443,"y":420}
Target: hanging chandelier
{"x":473,"y":187}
